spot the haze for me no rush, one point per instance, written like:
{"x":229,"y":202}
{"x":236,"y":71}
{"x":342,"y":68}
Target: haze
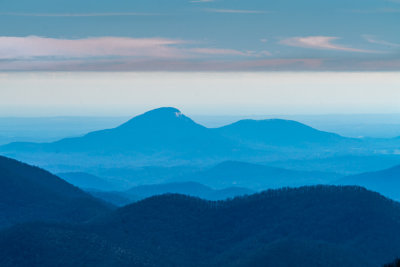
{"x":259,"y":93}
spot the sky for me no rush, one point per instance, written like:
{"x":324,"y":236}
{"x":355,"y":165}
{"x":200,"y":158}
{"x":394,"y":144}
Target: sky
{"x":199,"y":35}
{"x":207,"y":57}
{"x":128,"y":94}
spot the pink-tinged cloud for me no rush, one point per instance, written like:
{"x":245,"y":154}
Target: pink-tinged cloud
{"x":321,"y":42}
{"x":109,"y":14}
{"x":34,"y":47}
{"x":162,"y":65}
{"x":371,"y":39}
{"x":228,"y":52}
{"x":162,"y":54}
{"x":216,"y":51}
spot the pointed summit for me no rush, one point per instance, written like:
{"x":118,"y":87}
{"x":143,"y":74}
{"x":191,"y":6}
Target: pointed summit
{"x":158,"y":130}
{"x":166,"y":117}
{"x":164,"y":111}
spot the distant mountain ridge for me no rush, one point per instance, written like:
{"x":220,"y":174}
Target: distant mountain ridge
{"x":385,"y":182}
{"x":309,"y":226}
{"x":193,"y":189}
{"x":265,"y":132}
{"x":163,"y":129}
{"x":168,"y":128}
{"x":166,"y":137}
{"x":224,"y":175}
{"x":88,"y":181}
{"x":256,"y":176}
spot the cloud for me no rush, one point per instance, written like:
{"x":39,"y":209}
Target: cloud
{"x":41,"y":48}
{"x":33,"y":47}
{"x":231,"y":52}
{"x":321,"y":42}
{"x":162,"y":65}
{"x":371,"y":39}
{"x":35,"y":53}
{"x":110,"y":14}
{"x":236,"y":11}
{"x":278,"y":64}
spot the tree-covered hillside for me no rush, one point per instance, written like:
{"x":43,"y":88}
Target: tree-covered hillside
{"x":29,"y":193}
{"x":309,"y":226}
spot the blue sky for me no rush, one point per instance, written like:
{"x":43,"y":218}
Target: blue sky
{"x":200,"y":35}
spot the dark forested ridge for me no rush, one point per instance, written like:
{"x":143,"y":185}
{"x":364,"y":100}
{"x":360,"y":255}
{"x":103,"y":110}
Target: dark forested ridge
{"x":396,"y":263}
{"x":308,"y":226}
{"x":29,"y":193}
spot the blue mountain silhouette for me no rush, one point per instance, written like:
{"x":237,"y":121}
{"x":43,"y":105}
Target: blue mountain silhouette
{"x":167,"y":129}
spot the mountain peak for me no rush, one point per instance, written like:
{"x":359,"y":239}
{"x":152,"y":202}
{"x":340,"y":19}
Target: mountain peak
{"x":161,"y":117}
{"x":165,"y":111}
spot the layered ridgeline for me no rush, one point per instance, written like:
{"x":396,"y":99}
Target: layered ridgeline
{"x":220,"y":176}
{"x":167,"y":137}
{"x":121,"y":198}
{"x":88,"y":181}
{"x":28,"y":193}
{"x":224,"y":180}
{"x":310,"y":226}
{"x":256,"y":176}
{"x":386,"y":182}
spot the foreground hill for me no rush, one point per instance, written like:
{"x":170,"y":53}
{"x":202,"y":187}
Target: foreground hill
{"x":310,"y":226}
{"x":386,"y":182}
{"x":28,"y":193}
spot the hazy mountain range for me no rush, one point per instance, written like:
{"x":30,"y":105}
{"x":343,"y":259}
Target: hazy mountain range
{"x":230,"y":179}
{"x":222,"y":175}
{"x":166,"y":137}
{"x":163,"y":146}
